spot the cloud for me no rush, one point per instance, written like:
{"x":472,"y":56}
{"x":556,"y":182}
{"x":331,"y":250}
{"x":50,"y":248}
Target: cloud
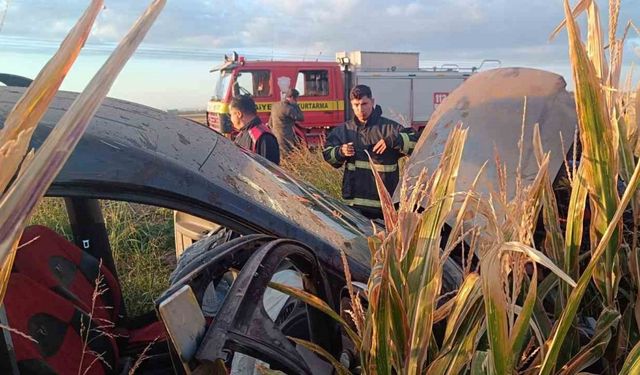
{"x":512,"y":30}
{"x":190,"y":36}
{"x":105,"y":31}
{"x":407,"y":10}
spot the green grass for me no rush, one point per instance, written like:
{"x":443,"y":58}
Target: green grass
{"x":142,"y":242}
{"x":52,"y":214}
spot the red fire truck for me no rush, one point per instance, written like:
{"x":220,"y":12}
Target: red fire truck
{"x":407,"y":93}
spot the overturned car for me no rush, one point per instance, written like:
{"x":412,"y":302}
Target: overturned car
{"x":263,"y":217}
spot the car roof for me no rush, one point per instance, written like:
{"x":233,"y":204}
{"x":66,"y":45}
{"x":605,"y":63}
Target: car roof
{"x":137,"y":153}
{"x":490,"y":105}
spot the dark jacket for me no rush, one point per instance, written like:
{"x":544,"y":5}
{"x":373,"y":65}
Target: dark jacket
{"x":256,"y":137}
{"x":358,"y":183}
{"x":284,"y":115}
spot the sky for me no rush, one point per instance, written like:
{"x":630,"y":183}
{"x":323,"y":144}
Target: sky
{"x":171,"y":68}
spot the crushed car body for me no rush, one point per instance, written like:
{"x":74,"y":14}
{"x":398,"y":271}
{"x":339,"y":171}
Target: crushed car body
{"x":500,"y":107}
{"x":135,"y":153}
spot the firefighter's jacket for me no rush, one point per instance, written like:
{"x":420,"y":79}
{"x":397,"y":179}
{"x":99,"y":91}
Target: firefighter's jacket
{"x":284,"y":116}
{"x":257,"y":138}
{"x":358,"y":183}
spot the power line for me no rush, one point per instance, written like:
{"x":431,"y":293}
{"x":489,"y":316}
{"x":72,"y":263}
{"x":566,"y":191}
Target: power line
{"x":153,"y":50}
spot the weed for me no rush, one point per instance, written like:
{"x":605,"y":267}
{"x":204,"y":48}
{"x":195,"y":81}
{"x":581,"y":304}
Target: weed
{"x":309,"y":166}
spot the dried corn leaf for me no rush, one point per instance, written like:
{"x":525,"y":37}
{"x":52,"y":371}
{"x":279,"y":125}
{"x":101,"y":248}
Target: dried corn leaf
{"x":340,"y":369}
{"x":562,"y":326}
{"x":637,"y":107}
{"x":554,"y":240}
{"x":595,"y":47}
{"x":319,"y":304}
{"x":20,"y":200}
{"x":580,"y":7}
{"x":31,"y":107}
{"x":599,"y":154}
{"x":12,"y":154}
{"x":519,"y":331}
{"x":388,"y":210}
{"x":594,"y":350}
{"x":631,"y":364}
{"x":496,"y":310}
{"x":426,"y":269}
{"x":465,"y":305}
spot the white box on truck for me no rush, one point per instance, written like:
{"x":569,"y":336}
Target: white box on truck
{"x":410,"y":98}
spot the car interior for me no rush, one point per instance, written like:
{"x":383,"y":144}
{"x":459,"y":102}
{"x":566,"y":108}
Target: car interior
{"x":83,"y":327}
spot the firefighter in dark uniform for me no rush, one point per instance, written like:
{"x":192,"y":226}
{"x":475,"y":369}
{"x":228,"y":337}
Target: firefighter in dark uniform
{"x":252,"y":135}
{"x":284,"y":116}
{"x":385,"y":140}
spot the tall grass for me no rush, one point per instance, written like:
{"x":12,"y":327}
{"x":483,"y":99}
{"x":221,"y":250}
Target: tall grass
{"x":309,"y":166}
{"x":51,"y":213}
{"x":142,"y":243}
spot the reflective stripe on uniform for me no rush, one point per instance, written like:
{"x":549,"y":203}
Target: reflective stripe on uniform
{"x":363,"y":202}
{"x":407,"y":144}
{"x":332,"y":154}
{"x":378,"y":167}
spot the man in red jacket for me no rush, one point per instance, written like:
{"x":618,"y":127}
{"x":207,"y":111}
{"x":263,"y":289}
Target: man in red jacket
{"x":252,"y":134}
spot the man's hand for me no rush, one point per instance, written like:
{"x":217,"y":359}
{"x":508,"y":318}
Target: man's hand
{"x":380,"y":147}
{"x":347,"y":149}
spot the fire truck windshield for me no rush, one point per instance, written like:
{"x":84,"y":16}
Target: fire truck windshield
{"x":222,"y":79}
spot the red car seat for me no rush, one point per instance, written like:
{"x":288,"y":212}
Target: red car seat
{"x":51,"y":298}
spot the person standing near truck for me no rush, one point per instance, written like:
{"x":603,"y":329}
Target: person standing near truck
{"x":284,"y":116}
{"x":252,"y":135}
{"x":368,"y":133}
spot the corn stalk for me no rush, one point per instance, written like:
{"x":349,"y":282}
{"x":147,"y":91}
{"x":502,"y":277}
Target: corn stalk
{"x":38,"y":171}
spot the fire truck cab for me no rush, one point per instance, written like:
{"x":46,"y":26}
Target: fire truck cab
{"x":407,"y":93}
{"x":319,"y":83}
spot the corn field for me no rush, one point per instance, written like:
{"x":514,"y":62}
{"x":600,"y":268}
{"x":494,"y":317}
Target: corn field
{"x":564,"y":302}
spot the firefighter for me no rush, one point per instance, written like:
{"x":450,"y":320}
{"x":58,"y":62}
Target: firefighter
{"x":252,"y":134}
{"x":284,"y":116}
{"x":368,"y":132}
